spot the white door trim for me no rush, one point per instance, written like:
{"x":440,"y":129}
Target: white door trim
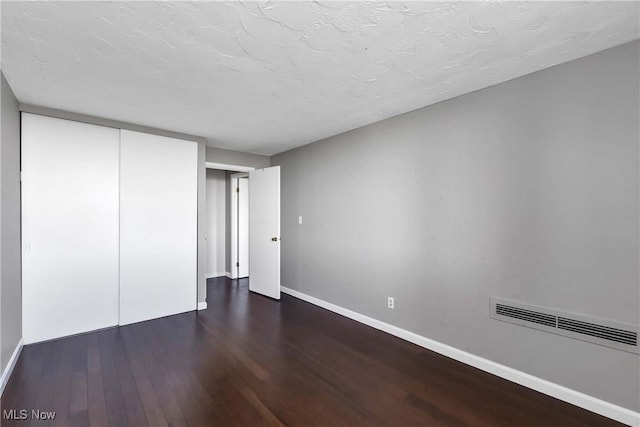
{"x":226,"y":167}
{"x":243,"y":171}
{"x":11,"y":364}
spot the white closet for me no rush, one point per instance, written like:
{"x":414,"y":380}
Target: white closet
{"x":158,"y":226}
{"x":70,"y":175}
{"x":109,"y":226}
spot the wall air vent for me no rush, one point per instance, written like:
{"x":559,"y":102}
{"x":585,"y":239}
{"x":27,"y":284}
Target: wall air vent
{"x":598,"y":331}
{"x":528,"y":315}
{"x":621,"y":336}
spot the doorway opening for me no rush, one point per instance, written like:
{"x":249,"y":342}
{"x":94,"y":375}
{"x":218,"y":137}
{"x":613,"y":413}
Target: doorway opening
{"x":227,"y":241}
{"x":249,"y":201}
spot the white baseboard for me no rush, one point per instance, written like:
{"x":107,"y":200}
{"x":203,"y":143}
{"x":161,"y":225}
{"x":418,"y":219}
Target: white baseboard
{"x":10,"y":365}
{"x":212,"y":275}
{"x":202,"y":305}
{"x":229,"y":275}
{"x":566,"y":394}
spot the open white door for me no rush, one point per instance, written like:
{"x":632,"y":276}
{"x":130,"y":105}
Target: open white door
{"x":264,"y":231}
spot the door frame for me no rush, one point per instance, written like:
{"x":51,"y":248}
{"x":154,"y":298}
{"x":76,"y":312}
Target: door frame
{"x":234,"y":183}
{"x":243,"y":171}
{"x":226,"y":167}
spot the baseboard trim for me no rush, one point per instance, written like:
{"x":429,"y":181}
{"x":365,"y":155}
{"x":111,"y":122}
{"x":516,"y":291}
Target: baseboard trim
{"x":213,"y":275}
{"x":227,"y":274}
{"x":563,"y":393}
{"x":10,"y":365}
{"x":202,"y":305}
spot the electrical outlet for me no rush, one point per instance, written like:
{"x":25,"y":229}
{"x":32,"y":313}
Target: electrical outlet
{"x":300,"y":220}
{"x":390,"y":303}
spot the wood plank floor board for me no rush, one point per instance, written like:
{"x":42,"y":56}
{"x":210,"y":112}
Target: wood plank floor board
{"x":114,"y":396}
{"x":62,"y":387}
{"x":175,"y":363}
{"x":45,"y":393}
{"x":78,"y":402}
{"x":251,"y":361}
{"x":142,"y":382}
{"x":128,"y":385}
{"x":97,"y":404}
{"x":167,"y":400}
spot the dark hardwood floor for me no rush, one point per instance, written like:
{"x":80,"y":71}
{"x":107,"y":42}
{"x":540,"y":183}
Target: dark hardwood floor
{"x":250,"y":361}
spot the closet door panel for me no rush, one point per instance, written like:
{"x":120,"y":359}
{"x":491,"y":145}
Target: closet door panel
{"x":70,"y":175}
{"x":158,"y":226}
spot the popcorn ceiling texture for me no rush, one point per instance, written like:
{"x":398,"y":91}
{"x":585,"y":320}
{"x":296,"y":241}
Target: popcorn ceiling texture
{"x":265,"y":77}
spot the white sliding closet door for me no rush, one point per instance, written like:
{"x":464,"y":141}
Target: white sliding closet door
{"x":158,"y":226}
{"x":69,"y":227}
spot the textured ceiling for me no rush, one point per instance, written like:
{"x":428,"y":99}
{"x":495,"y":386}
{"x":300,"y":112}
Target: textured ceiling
{"x":265,"y":77}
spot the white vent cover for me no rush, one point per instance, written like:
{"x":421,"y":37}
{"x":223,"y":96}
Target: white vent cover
{"x":621,"y":336}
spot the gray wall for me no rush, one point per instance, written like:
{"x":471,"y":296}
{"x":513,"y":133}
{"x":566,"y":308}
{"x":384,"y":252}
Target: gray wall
{"x":202,"y":200}
{"x":526,"y":190}
{"x":10,"y":250}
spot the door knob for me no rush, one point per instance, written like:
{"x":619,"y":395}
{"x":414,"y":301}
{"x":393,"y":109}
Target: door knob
{"x":274,"y":239}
